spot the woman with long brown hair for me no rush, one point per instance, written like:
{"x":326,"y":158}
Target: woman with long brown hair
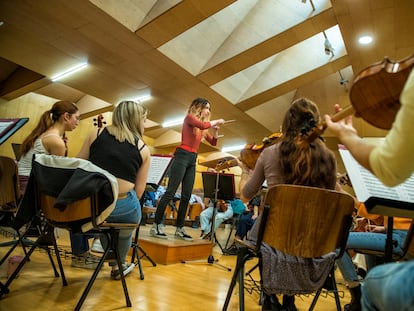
{"x":48,"y":137}
{"x":292,"y":160}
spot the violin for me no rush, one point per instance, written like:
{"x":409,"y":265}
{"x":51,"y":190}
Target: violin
{"x":251,"y":152}
{"x":375,"y":94}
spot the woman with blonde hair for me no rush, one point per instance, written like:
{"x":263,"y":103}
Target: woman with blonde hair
{"x":183,"y":166}
{"x":119,"y":148}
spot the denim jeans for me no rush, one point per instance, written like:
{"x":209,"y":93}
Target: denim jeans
{"x":245,"y":224}
{"x":182,"y":170}
{"x":80,"y":242}
{"x":389,"y":287}
{"x":368,"y":241}
{"x":207,"y":215}
{"x":127,"y":210}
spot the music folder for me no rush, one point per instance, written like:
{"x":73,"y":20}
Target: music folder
{"x":395,"y":201}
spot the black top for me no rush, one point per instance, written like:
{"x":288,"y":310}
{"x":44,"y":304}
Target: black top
{"x":122,"y":160}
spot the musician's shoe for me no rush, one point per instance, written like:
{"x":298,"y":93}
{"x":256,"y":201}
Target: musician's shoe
{"x":85,"y":261}
{"x":232,"y":250}
{"x":180,"y":234}
{"x":126,"y":269}
{"x":157,"y":232}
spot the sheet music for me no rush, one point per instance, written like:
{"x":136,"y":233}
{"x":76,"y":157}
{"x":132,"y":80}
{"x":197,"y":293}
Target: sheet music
{"x":366,"y":185}
{"x":158,"y":168}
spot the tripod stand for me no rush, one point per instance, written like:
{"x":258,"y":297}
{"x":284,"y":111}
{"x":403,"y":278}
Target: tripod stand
{"x":218,"y":186}
{"x":135,"y":244}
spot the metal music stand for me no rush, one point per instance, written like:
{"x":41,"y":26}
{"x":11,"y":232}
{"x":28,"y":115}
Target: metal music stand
{"x":158,"y":168}
{"x":218,"y":186}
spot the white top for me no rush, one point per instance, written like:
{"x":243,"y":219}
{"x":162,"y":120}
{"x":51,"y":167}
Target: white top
{"x":25,"y":162}
{"x":392,"y":162}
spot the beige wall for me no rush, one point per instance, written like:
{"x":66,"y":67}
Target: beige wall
{"x":33,"y":105}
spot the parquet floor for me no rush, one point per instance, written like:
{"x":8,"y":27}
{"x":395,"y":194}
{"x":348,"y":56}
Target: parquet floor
{"x":198,"y":286}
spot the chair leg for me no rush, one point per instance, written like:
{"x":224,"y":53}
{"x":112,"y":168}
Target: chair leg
{"x":242,"y":256}
{"x":112,"y":237}
{"x":58,"y":259}
{"x":331,"y":283}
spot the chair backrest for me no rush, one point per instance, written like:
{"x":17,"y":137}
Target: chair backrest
{"x":9,"y":184}
{"x":305,"y":221}
{"x":73,"y":193}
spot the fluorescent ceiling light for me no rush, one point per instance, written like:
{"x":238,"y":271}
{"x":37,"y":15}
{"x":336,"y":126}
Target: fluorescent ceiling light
{"x":173,"y":122}
{"x":69,"y":72}
{"x":142,"y":98}
{"x":233,"y":148}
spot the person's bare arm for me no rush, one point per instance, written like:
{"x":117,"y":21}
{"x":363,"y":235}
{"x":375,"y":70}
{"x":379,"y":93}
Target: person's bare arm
{"x":348,"y":136}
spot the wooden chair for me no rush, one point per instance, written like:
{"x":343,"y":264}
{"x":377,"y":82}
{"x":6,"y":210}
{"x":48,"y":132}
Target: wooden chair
{"x":78,"y":215}
{"x":300,"y":221}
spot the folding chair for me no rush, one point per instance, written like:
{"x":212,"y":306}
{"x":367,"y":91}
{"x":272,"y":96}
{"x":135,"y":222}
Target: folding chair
{"x":300,"y":221}
{"x":79,"y":198}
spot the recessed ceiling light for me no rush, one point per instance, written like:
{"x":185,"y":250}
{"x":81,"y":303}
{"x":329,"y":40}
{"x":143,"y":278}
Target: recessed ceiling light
{"x":365,"y":39}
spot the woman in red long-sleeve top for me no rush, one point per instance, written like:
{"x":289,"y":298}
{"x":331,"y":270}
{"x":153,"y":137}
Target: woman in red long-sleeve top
{"x":183,"y":166}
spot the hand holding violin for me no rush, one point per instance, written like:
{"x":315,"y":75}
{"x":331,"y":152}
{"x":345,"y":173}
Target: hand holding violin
{"x":341,"y":128}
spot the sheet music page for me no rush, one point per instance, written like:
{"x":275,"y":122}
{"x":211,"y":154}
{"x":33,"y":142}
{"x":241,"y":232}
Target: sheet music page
{"x":366,"y":185}
{"x":158,"y":168}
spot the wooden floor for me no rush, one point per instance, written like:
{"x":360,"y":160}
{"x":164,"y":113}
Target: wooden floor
{"x":191,"y":286}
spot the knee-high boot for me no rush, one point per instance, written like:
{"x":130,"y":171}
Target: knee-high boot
{"x":355,"y":304}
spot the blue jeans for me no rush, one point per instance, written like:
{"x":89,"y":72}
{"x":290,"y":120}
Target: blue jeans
{"x":245,"y":224}
{"x":367,"y":241}
{"x":127,"y":210}
{"x":182,"y":170}
{"x":207,"y":215}
{"x":389,"y":287}
{"x":80,"y":242}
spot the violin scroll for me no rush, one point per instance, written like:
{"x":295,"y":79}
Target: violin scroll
{"x":98,"y":121}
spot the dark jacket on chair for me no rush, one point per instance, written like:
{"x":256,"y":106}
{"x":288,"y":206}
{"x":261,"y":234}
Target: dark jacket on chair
{"x":68,"y":180}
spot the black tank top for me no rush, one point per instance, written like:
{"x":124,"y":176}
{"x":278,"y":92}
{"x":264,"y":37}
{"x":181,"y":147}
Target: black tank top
{"x":122,"y":160}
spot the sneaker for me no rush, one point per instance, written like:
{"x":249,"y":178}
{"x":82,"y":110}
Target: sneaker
{"x":126,"y":269}
{"x":180,"y":234}
{"x":85,"y":261}
{"x":97,"y":246}
{"x":156,"y":231}
{"x":232,"y":250}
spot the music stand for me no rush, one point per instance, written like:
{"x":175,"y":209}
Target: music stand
{"x":159,"y":166}
{"x":217,"y":186}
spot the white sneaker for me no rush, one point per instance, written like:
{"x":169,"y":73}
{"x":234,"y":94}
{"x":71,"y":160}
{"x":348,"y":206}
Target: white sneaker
{"x":180,"y":234}
{"x":85,"y":261}
{"x":157,"y":232}
{"x":97,"y":246}
{"x":126,"y":269}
